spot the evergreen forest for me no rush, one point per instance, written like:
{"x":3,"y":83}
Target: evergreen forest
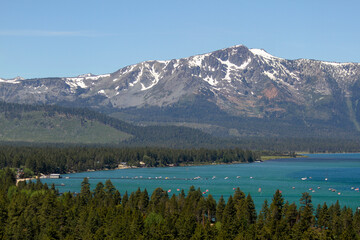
{"x":33,"y":210}
{"x":76,"y":158}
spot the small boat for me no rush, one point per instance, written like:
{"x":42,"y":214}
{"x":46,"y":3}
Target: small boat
{"x":226,"y":178}
{"x":169,"y":190}
{"x":62,"y":184}
{"x":304,"y":178}
{"x":313,"y":191}
{"x":293,"y":187}
{"x":178,"y":189}
{"x":251,"y":177}
{"x":326,"y":179}
{"x":237,"y":176}
{"x":339,"y":193}
{"x":259,"y":190}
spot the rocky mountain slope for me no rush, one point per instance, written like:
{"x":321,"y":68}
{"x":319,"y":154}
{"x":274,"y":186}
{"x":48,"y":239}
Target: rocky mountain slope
{"x":238,"y":82}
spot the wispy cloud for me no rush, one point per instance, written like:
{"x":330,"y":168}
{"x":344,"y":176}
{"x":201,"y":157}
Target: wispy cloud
{"x":45,"y":33}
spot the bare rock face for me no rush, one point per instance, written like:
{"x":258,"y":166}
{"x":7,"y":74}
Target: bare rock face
{"x":239,"y":81}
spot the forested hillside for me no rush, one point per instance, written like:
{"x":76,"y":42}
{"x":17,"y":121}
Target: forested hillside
{"x":53,"y":124}
{"x":23,"y":124}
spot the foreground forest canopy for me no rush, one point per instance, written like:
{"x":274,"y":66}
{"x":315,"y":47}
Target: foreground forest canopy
{"x":35,"y":211}
{"x":74,"y":159}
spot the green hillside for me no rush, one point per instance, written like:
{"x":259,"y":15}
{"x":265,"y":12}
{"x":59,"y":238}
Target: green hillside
{"x":53,"y":124}
{"x":37,"y":126}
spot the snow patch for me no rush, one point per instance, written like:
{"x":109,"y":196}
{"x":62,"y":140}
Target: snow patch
{"x":196,"y":61}
{"x":156,"y":79}
{"x":103,"y":92}
{"x":270,"y":75}
{"x":245,"y":64}
{"x":90,"y":76}
{"x":138,"y":77}
{"x":210,"y":80}
{"x":97,"y":77}
{"x":231,"y":67}
{"x":75,"y":82}
{"x":335,"y":64}
{"x":127,"y":70}
{"x":13,"y":80}
{"x":263,"y":53}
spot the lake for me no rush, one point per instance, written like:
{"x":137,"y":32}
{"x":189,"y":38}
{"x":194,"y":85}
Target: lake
{"x":327,"y":177}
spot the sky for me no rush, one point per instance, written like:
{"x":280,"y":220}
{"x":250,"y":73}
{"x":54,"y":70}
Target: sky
{"x":48,"y":38}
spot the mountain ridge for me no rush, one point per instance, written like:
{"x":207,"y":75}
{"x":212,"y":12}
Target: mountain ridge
{"x":240,"y":82}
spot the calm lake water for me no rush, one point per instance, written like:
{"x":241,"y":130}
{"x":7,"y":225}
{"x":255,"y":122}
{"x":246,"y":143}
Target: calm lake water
{"x":342,"y":172}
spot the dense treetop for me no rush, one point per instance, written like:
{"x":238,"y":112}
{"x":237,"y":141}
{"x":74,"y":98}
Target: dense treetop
{"x":34,"y":211}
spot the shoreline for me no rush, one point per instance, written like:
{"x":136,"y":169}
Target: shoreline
{"x":262,"y":159}
{"x":24,"y":179}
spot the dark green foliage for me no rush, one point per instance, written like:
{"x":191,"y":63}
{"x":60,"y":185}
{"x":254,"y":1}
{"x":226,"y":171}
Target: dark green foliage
{"x":70,"y":159}
{"x":31,"y":210}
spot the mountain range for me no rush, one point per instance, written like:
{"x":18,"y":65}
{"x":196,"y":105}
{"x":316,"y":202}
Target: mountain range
{"x":234,"y":91}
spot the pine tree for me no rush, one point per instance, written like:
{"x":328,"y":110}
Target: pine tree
{"x":229,"y":228}
{"x":125,"y":199}
{"x":143,"y":201}
{"x":324,"y":217}
{"x":210,"y":207}
{"x":306,"y":212}
{"x":220,"y":209}
{"x":85,"y":192}
{"x":348,"y":227}
{"x":250,"y":210}
{"x":276,"y":213}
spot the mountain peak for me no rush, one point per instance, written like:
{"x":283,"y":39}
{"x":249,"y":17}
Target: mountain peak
{"x":241,"y":81}
{"x":262,"y":53}
{"x":12,"y":80}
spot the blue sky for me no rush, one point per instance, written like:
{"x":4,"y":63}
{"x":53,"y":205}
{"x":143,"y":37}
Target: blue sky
{"x":43,"y":38}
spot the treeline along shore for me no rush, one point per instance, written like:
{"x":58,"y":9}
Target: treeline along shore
{"x":33,"y":210}
{"x":76,"y":159}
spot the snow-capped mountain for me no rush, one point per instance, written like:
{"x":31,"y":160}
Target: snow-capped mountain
{"x":239,"y":81}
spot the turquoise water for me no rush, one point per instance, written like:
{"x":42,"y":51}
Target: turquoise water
{"x":342,"y":172}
